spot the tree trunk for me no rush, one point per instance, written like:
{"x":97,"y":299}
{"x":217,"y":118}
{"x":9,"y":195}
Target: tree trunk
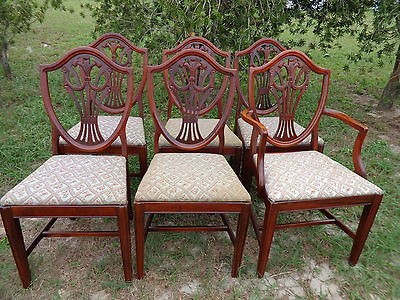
{"x":4,"y":59}
{"x":391,"y":93}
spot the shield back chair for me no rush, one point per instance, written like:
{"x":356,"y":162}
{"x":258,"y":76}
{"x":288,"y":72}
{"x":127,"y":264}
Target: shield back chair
{"x":76,"y":185}
{"x":233,"y":145}
{"x":188,"y":181}
{"x":291,"y":181}
{"x":121,"y":51}
{"x":256,"y":55}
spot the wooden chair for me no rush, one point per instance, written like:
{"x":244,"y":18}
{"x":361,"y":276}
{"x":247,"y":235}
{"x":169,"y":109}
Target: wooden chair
{"x":186,"y":181}
{"x":233,"y":145}
{"x":290,"y":180}
{"x":125,"y":54}
{"x":76,"y":186}
{"x":259,"y":53}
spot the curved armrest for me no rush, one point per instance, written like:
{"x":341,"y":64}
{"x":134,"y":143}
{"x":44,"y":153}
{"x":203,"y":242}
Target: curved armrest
{"x":258,"y":129}
{"x":359,"y":167}
{"x":247,"y":116}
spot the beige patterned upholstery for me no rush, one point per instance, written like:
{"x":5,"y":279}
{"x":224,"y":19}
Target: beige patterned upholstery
{"x":190,"y":177}
{"x":310,"y":175}
{"x":73,"y":180}
{"x":206,"y":126}
{"x":271,"y":123}
{"x":107,"y":124}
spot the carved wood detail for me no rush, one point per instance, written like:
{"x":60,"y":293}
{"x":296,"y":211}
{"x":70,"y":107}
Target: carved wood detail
{"x":191,"y":82}
{"x":88,"y":81}
{"x":289,"y":79}
{"x":120,"y":53}
{"x":258,"y":54}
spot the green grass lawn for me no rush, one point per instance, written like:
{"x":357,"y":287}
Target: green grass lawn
{"x":197,"y":266}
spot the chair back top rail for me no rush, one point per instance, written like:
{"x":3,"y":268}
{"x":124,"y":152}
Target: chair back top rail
{"x":200,"y":43}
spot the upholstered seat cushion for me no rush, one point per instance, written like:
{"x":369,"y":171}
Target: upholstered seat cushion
{"x":271,"y":123}
{"x":107,"y":124}
{"x":73,"y":180}
{"x":307,"y":175}
{"x":206,"y":126}
{"x":190,"y":177}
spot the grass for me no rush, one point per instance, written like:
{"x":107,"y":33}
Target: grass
{"x":195,"y":265}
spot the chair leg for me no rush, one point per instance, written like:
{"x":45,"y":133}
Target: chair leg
{"x":148,"y":222}
{"x":246,"y":175}
{"x":139,"y":239}
{"x":366,"y":220}
{"x":270,"y":218}
{"x":225,"y":220}
{"x":241,"y":233}
{"x":253,"y":217}
{"x":129,"y":196}
{"x":13,"y":230}
{"x":143,"y":161}
{"x":237,"y":160}
{"x":125,"y":241}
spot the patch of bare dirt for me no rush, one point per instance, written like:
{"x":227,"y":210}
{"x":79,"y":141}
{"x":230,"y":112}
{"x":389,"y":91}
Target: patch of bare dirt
{"x":383,"y":124}
{"x":314,"y":281}
{"x":364,"y":99}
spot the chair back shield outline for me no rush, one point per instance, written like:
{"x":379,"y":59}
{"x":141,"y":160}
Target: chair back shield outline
{"x":122,"y":52}
{"x":290,"y":75}
{"x":195,"y":85}
{"x":304,"y":180}
{"x":88,"y":80}
{"x":199,"y":43}
{"x":75,"y":186}
{"x":191,"y":178}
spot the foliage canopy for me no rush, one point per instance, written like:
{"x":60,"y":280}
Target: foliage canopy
{"x":17,"y":16}
{"x":235,"y":24}
{"x":159,"y":24}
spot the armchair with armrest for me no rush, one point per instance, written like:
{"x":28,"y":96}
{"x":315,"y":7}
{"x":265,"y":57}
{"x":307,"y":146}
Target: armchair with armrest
{"x":289,"y":181}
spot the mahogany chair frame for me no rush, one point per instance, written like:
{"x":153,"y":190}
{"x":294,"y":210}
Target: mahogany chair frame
{"x":12,"y":213}
{"x":261,"y":51}
{"x":370,"y":203}
{"x":144,"y":225}
{"x":116,"y":42}
{"x":201,"y":43}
